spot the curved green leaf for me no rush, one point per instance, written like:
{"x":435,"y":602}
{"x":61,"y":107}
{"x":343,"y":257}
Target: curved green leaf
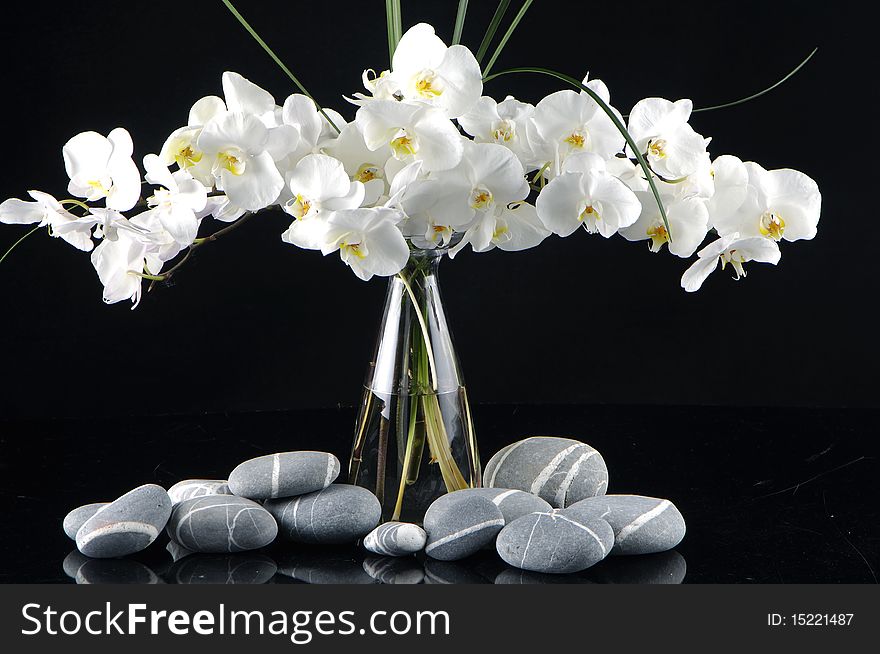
{"x":513,"y":24}
{"x":459,"y":21}
{"x":493,"y":27}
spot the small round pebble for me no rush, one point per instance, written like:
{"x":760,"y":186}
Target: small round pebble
{"x":221,"y":524}
{"x":76,"y":518}
{"x":394,"y":570}
{"x":337,"y":514}
{"x":642,"y":525}
{"x":190,"y":488}
{"x":459,"y":524}
{"x":247,"y":568}
{"x":554,"y":543}
{"x":127,"y":525}
{"x":560,"y":470}
{"x":395,"y":539}
{"x":286,"y":474}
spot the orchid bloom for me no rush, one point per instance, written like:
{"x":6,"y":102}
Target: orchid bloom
{"x":661,"y":132}
{"x":509,"y":123}
{"x":587,"y":195}
{"x":361,"y":164}
{"x":571,"y":123}
{"x":424,"y":70}
{"x":319,"y":185}
{"x":733,"y":250}
{"x":412,"y":132}
{"x":177,"y":201}
{"x":688,"y":220}
{"x":778,"y":205}
{"x":244,"y":169}
{"x":120,"y":264}
{"x":368,"y":241}
{"x":47,"y":211}
{"x":101,"y":167}
{"x":513,"y":228}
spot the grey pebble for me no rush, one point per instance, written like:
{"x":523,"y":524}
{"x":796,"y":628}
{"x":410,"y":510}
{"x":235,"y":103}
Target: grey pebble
{"x":127,"y":525}
{"x":562,"y":471}
{"x":395,"y":539}
{"x":247,"y":568}
{"x":286,"y":474}
{"x":642,"y":525}
{"x":459,"y":524}
{"x":221,"y":524}
{"x":513,"y":503}
{"x":76,"y":518}
{"x":396,"y":570}
{"x":554,"y":543}
{"x":190,"y":488}
{"x":337,"y":514}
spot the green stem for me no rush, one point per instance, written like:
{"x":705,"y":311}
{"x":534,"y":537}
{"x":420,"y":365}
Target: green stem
{"x":15,"y":245}
{"x":424,"y":327}
{"x":493,"y":27}
{"x":459,"y":21}
{"x":513,"y":24}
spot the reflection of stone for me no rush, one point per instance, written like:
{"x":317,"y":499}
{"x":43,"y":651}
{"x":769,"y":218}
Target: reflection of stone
{"x":107,"y":571}
{"x":394,"y":570}
{"x":663,"y":568}
{"x":223,"y":569}
{"x":449,"y":572}
{"x":176,"y":551}
{"x":515,"y":576}
{"x":323,"y":565}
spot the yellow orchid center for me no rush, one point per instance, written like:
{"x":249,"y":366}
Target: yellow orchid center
{"x":504,"y":132}
{"x":658,"y":236}
{"x":231,"y":161}
{"x":353,"y":249}
{"x":186,"y":157}
{"x":589,"y":213}
{"x":481,"y":198}
{"x":576,"y":140}
{"x":403,"y":145}
{"x":366,"y":173}
{"x":500,"y":230}
{"x":657,"y":149}
{"x":98,"y":186}
{"x":300,"y":207}
{"x":427,"y":85}
{"x":772,"y":225}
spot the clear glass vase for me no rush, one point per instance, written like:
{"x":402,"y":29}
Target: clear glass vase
{"x":414,"y":437}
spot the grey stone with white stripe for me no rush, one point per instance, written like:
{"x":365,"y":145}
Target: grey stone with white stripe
{"x":286,"y":474}
{"x":395,"y":539}
{"x":395,"y":570}
{"x":78,"y":516}
{"x":554,"y":543}
{"x":642,"y":525}
{"x":561,"y":471}
{"x":221,"y":524}
{"x":512,"y":503}
{"x":190,"y":488}
{"x":337,"y":514}
{"x":127,"y":525}
{"x":459,"y":524}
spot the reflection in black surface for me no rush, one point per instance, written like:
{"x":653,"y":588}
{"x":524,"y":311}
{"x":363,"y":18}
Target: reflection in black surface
{"x":342,"y":565}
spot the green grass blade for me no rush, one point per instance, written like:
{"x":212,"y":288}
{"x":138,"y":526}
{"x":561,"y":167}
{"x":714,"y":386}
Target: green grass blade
{"x":522,"y":12}
{"x":389,"y":22}
{"x":459,"y":21}
{"x":614,"y":119}
{"x":493,"y":27}
{"x":16,"y":244}
{"x":398,"y":22}
{"x":760,"y":93}
{"x":275,"y":58}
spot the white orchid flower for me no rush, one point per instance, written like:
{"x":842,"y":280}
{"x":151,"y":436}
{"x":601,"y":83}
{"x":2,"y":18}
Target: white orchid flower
{"x":101,"y":167}
{"x":513,"y":228}
{"x":424,"y":70}
{"x":688,"y":220}
{"x":731,"y":182}
{"x":177,"y":201}
{"x":361,"y":163}
{"x":368,"y":241}
{"x":319,"y":185}
{"x":587,"y":195}
{"x":572,"y":123}
{"x":509,"y":123}
{"x":779,"y":204}
{"x":243,"y":167}
{"x":412,"y":132}
{"x":180,"y":147}
{"x":733,"y":250}
{"x":661,"y":132}
{"x":45,"y":210}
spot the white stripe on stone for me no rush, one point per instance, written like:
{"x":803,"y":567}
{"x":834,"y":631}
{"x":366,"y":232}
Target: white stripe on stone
{"x":639,"y":522}
{"x":503,"y":496}
{"x":331,"y":468}
{"x":276,"y":473}
{"x":592,"y":533}
{"x":569,"y":477}
{"x":544,"y":476}
{"x":495,"y":522}
{"x":502,"y":460}
{"x":130,"y":527}
{"x":529,"y":542}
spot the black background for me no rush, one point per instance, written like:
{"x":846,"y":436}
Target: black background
{"x":257,"y":324}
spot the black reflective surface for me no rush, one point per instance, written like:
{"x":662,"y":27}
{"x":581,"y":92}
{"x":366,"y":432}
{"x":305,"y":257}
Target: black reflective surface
{"x":769,"y":495}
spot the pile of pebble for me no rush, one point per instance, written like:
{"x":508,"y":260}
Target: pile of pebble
{"x":544,"y":509}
